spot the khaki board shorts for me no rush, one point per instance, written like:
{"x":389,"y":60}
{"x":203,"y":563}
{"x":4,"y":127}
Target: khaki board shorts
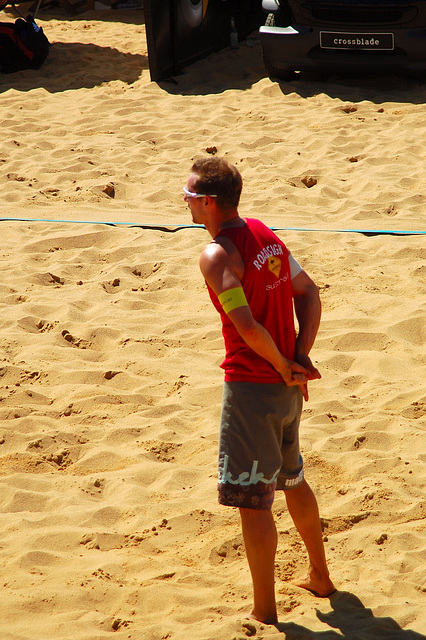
{"x":259,"y":443}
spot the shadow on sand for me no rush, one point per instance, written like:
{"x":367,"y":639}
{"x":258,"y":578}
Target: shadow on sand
{"x":77,"y":65}
{"x":74,"y":65}
{"x":242,"y":68}
{"x":353,"y":621}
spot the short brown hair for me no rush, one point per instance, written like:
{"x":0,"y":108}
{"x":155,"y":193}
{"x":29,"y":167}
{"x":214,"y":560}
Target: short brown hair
{"x":219,"y":177}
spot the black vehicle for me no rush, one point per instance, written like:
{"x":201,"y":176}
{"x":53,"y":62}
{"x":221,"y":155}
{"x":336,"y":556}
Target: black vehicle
{"x":340,"y":36}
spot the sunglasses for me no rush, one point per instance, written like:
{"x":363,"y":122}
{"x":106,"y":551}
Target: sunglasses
{"x":191,"y":194}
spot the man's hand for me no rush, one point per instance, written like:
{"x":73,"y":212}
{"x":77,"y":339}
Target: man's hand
{"x":294,"y":374}
{"x":314,"y":374}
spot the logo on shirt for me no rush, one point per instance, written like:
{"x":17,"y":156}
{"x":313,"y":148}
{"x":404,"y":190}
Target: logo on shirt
{"x":274,"y":265}
{"x":269,"y":254}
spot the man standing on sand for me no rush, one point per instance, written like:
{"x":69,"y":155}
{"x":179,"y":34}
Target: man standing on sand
{"x":253,"y":282}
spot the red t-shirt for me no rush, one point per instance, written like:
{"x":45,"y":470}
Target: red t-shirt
{"x":267,"y":286}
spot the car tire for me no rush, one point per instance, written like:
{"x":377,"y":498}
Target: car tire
{"x":192,"y":11}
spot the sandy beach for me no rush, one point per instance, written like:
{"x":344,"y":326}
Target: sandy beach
{"x":110,"y":349}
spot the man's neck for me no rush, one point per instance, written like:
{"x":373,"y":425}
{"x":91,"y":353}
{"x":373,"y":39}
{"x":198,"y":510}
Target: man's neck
{"x":235,"y":221}
{"x":216,"y":222}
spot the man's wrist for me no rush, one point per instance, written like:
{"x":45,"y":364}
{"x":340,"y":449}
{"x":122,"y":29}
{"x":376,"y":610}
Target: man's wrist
{"x":301,"y":350}
{"x":283,"y":366}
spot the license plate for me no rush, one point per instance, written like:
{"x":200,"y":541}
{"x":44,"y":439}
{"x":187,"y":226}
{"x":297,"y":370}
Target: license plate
{"x":357,"y":41}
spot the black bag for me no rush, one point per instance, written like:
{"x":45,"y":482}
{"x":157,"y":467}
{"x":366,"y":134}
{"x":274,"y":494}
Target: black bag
{"x":23,"y":45}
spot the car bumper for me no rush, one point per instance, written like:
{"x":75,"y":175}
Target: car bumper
{"x":298,"y":48}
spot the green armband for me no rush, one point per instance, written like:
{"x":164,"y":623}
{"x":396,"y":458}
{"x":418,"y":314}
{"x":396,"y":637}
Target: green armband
{"x":232,"y":299}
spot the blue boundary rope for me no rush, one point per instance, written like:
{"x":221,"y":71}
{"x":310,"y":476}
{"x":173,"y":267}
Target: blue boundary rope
{"x":172,"y":228}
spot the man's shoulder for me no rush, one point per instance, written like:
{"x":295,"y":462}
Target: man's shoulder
{"x":212,"y":249}
{"x":214,"y":254}
{"x":219,"y":256}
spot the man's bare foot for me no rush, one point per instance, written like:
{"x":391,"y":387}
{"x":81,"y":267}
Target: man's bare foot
{"x":265,"y":620}
{"x":320,"y":587}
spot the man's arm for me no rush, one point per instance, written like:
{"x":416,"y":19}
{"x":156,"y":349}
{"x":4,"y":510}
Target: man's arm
{"x":307,"y":305}
{"x":222,"y":269}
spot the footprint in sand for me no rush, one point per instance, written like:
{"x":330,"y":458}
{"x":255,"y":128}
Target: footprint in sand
{"x":75,"y":342}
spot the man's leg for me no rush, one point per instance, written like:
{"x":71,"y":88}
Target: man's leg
{"x":260,"y":539}
{"x":303,"y":508}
